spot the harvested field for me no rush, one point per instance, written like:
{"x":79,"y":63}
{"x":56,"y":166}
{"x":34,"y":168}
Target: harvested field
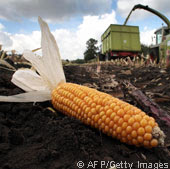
{"x":34,"y":136}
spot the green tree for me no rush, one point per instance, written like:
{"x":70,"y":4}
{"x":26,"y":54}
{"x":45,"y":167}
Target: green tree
{"x":91,"y":51}
{"x":145,"y":49}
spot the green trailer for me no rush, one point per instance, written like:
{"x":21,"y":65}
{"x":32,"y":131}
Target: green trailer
{"x":121,"y":41}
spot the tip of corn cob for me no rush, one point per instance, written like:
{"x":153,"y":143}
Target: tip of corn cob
{"x":159,"y":135}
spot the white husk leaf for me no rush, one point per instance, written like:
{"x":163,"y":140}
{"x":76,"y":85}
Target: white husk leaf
{"x":33,"y":96}
{"x":49,"y":71}
{"x":28,"y":80}
{"x":49,"y":65}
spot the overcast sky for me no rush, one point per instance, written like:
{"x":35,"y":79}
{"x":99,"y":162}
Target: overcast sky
{"x":72,"y":22}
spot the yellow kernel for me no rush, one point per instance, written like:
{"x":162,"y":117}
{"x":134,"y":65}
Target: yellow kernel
{"x":107,"y":120}
{"x":79,"y":111}
{"x":128,"y":129}
{"x":141,"y":131}
{"x":99,"y":122}
{"x":92,"y":117}
{"x":109,"y":112}
{"x":136,"y":125}
{"x":93,"y":105}
{"x":148,"y":136}
{"x":78,"y":102}
{"x":98,"y":107}
{"x":82,"y":104}
{"x":123,"y":105}
{"x":93,"y":110}
{"x":140,"y":139}
{"x":127,"y":108}
{"x":109,"y":102}
{"x":90,"y":102}
{"x":134,"y":134}
{"x":83,"y":95}
{"x":103,"y":95}
{"x":116,"y":118}
{"x":126,"y":117}
{"x":112,"y":106}
{"x":137,"y":111}
{"x":89,"y":114}
{"x":116,"y":108}
{"x":142,"y":114}
{"x":104,"y":102}
{"x":120,"y":121}
{"x":101,"y":109}
{"x":76,"y":108}
{"x":87,"y":110}
{"x":91,"y":94}
{"x":104,"y":118}
{"x":119,"y":102}
{"x":75,"y":99}
{"x":131,"y":121}
{"x":152,"y":123}
{"x":120,"y":112}
{"x":102,"y":113}
{"x":130,"y":112}
{"x":143,"y":122}
{"x":112,"y":115}
{"x":106,"y":108}
{"x":102,"y":125}
{"x":152,"y":119}
{"x":119,"y":129}
{"x":99,"y":101}
{"x":114,"y":126}
{"x":96,"y":96}
{"x":146,"y":117}
{"x":124,"y":125}
{"x":86,"y":99}
{"x":138,"y":118}
{"x":124,"y":134}
{"x":115,"y":100}
{"x":96,"y":118}
{"x":134,"y":141}
{"x":88,"y":121}
{"x":148,"y":129}
{"x":111,"y":124}
{"x":85,"y":116}
{"x":114,"y":134}
{"x":154,"y":142}
{"x":84,"y":107}
{"x":106,"y":129}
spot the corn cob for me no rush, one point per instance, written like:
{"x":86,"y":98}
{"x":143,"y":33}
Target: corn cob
{"x":114,"y":117}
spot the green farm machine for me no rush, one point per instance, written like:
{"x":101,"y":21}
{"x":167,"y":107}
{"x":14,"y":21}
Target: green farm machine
{"x":121,"y":40}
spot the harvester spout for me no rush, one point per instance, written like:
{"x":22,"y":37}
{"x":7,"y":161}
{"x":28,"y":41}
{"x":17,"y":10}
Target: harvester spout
{"x":147,"y":8}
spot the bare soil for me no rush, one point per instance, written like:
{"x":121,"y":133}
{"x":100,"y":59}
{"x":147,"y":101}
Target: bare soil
{"x":34,"y":136}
